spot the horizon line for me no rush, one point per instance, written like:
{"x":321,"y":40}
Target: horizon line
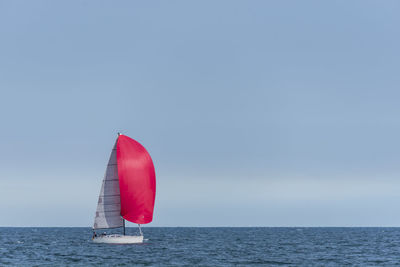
{"x":208,"y":227}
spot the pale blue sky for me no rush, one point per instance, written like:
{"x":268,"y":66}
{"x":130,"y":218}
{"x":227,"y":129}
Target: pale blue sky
{"x":256,"y":113}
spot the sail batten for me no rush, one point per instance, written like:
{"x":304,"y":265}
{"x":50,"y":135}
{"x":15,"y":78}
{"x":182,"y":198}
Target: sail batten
{"x":108,"y":212}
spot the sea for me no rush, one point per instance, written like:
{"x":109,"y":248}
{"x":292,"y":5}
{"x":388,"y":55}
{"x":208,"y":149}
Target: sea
{"x":221,"y":246}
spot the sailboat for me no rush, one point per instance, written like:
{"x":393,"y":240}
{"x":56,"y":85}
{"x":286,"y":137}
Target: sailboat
{"x":127,"y":192}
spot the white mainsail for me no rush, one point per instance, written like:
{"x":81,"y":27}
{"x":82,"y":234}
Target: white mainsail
{"x":108,"y":213}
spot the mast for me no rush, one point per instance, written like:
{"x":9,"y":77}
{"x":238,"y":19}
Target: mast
{"x":124,"y":225}
{"x":123,"y":220}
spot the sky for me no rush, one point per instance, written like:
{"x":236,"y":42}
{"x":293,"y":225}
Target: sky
{"x":256,"y":113}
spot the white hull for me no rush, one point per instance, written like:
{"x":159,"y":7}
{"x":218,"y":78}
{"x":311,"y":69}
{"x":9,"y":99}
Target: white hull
{"x":118,"y":239}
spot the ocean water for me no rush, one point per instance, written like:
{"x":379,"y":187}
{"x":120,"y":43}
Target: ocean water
{"x":204,"y":247}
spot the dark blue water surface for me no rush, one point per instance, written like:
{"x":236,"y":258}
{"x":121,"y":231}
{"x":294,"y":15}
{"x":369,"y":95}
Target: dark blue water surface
{"x":204,"y":247}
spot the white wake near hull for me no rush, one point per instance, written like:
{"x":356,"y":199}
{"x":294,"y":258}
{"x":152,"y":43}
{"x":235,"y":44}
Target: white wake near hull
{"x":118,"y":239}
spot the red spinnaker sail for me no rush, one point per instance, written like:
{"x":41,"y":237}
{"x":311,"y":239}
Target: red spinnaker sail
{"x":137,"y":181}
